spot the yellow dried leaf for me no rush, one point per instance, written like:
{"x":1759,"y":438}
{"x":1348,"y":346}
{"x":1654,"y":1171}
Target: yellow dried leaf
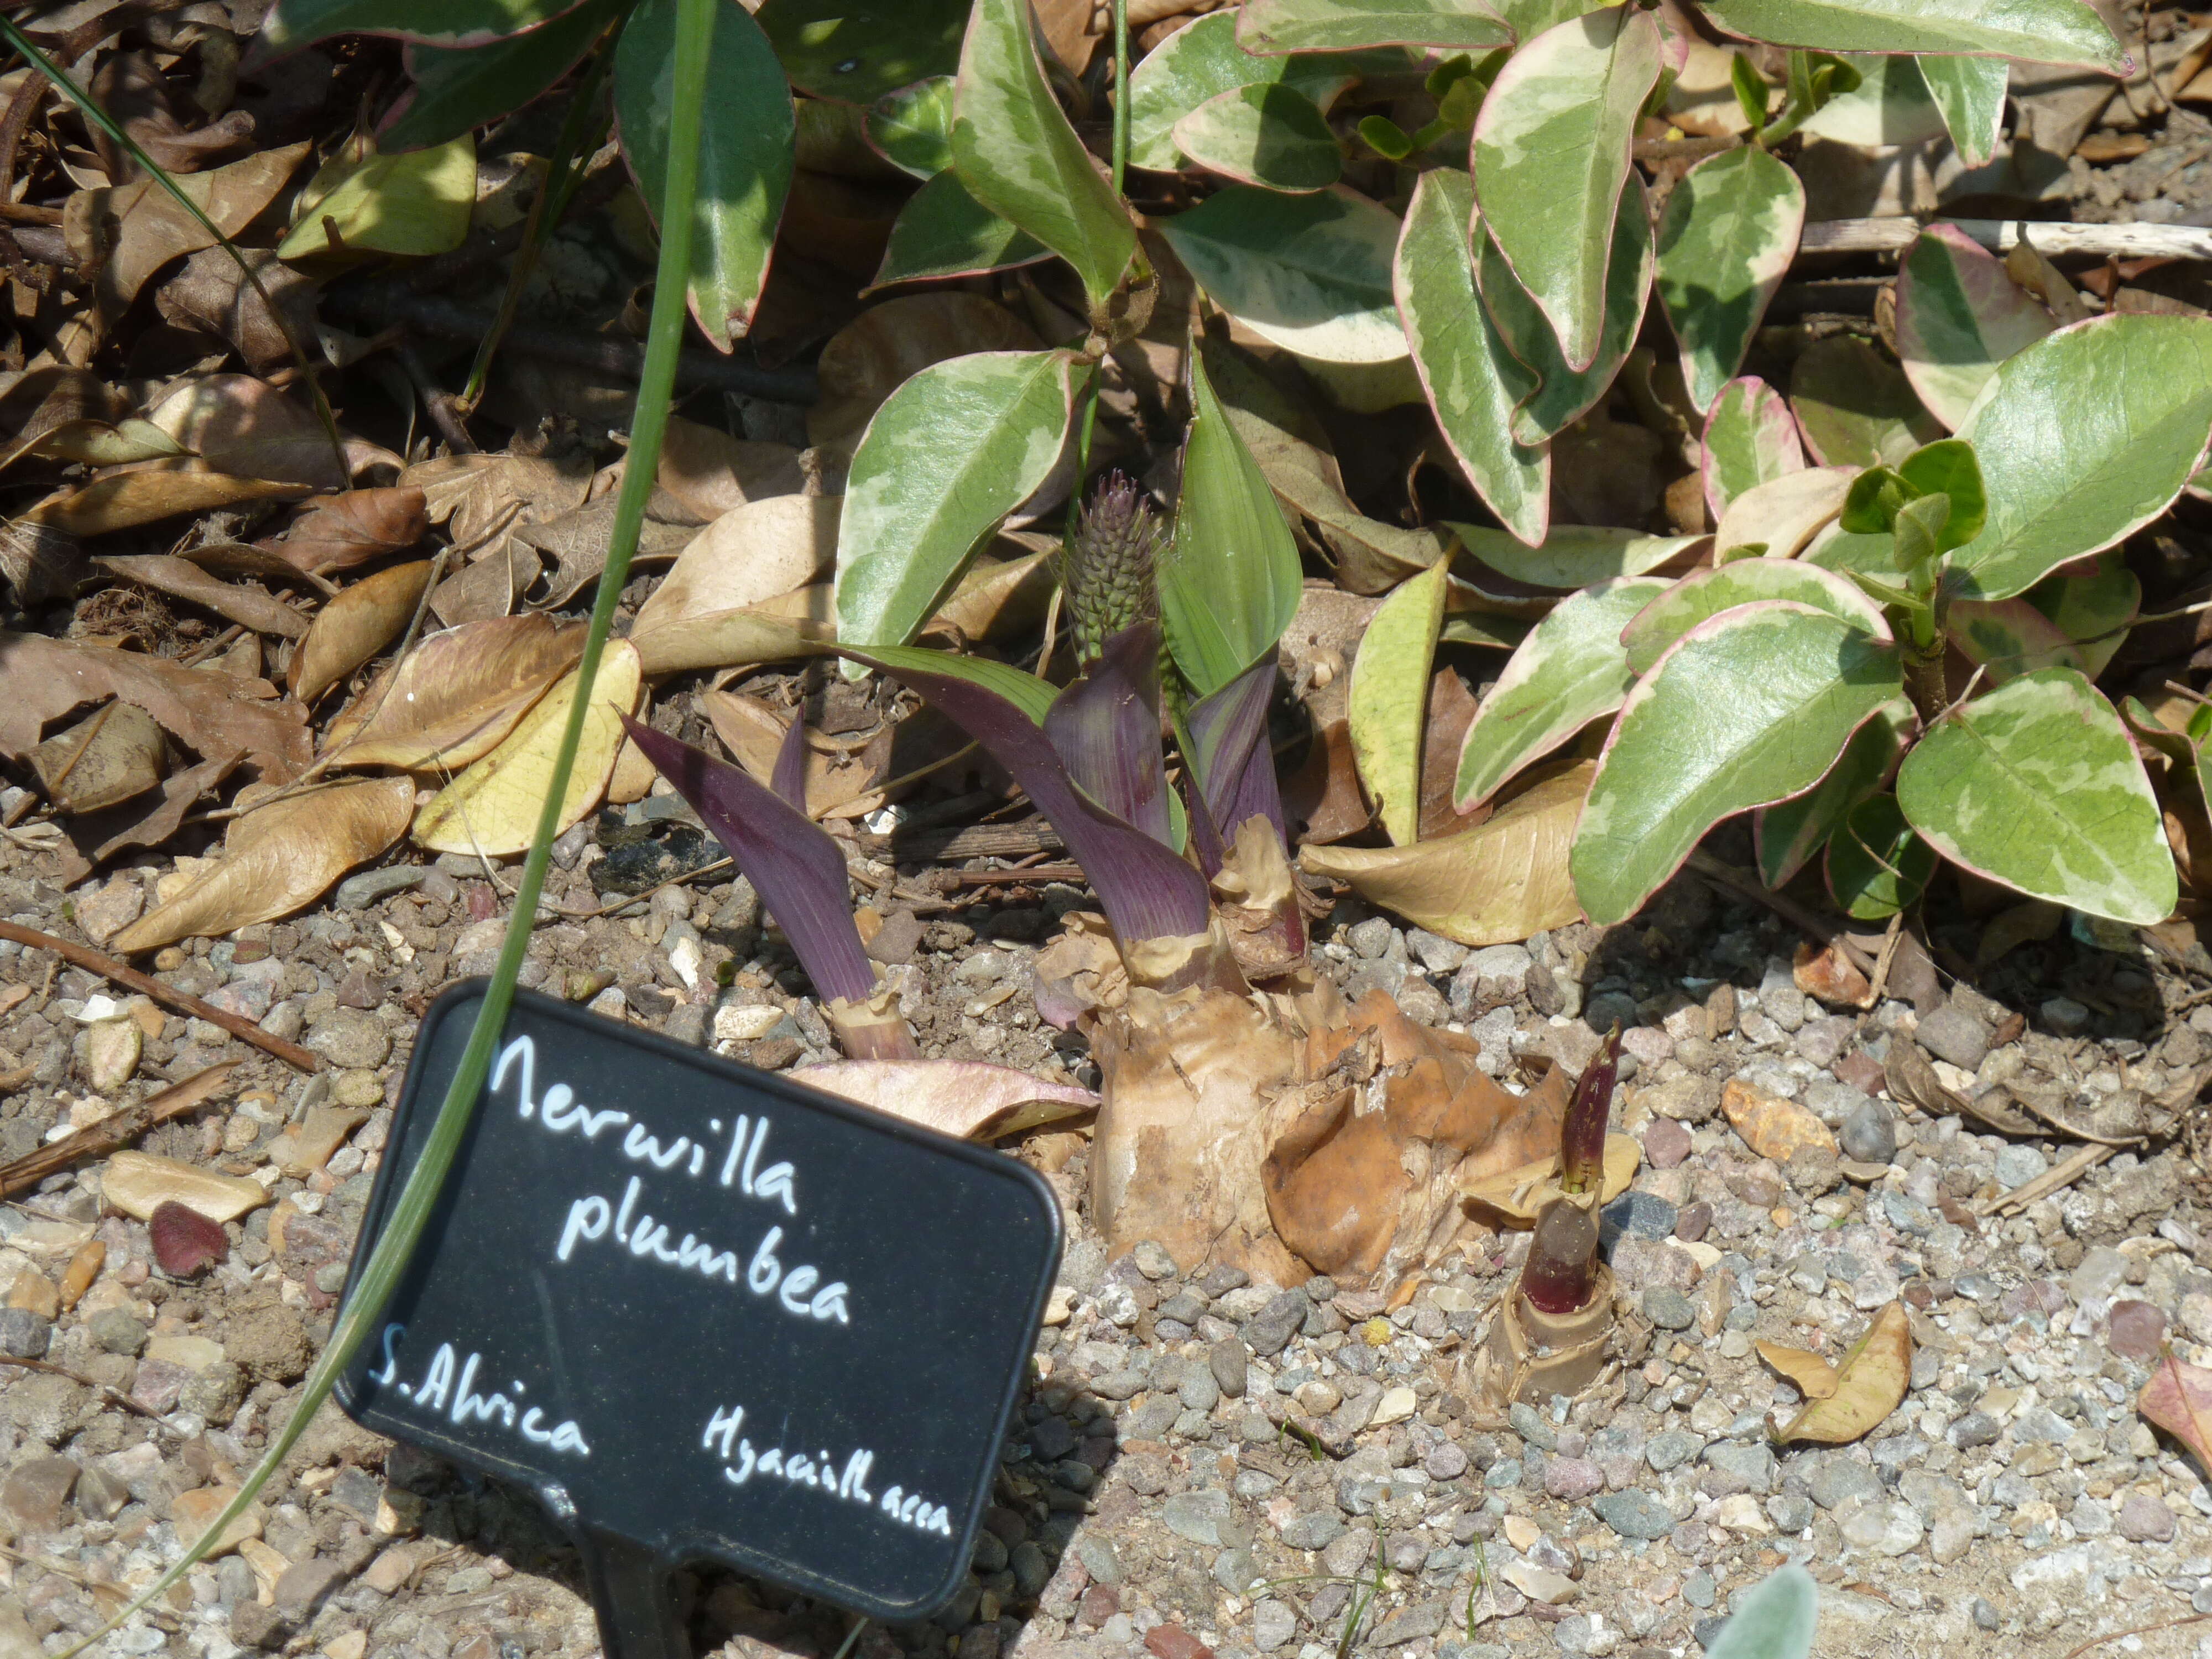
{"x":278,"y":858}
{"x":1813,"y":1377}
{"x":1518,"y":1194}
{"x":493,"y":807}
{"x":747,"y":556}
{"x":1870,"y":1384}
{"x":455,"y":695}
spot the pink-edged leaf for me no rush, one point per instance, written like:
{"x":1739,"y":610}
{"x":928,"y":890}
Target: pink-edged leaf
{"x":1750,"y":438}
{"x":790,"y":862}
{"x":185,"y":1241}
{"x":1106,"y":726}
{"x":960,"y":1098}
{"x":1145,"y":891}
{"x":1959,"y":315}
{"x":2178,"y":1399}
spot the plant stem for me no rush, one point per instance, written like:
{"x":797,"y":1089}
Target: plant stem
{"x":395,"y":1248}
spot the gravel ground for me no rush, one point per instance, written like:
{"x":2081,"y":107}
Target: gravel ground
{"x":1151,"y":1498}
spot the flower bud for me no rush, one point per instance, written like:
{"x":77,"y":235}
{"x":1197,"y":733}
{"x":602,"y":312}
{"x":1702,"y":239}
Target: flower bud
{"x":1108,"y":566}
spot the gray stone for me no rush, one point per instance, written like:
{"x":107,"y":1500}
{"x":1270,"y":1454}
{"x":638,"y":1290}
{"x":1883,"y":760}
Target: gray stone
{"x":359,"y":892}
{"x":1347,"y":1553}
{"x":1672,"y":1449}
{"x":1032,"y":1572}
{"x":1316,"y":1529}
{"x":1153,"y":1260}
{"x":1572,"y":1479}
{"x":1369,"y":938}
{"x":1985,"y":1616}
{"x":2065,"y":1017}
{"x":1235,"y":1571}
{"x":1438,"y":956}
{"x":1733,"y":1467}
{"x":1791,"y":1511}
{"x":1869,"y":1134}
{"x":1228,"y":1360}
{"x":2143,"y":1520}
{"x":1633,"y":1513}
{"x":1637,"y":1215}
{"x":1446,"y":1460}
{"x":2099,"y":1275}
{"x":1412,"y":1623}
{"x":1952,"y":1034}
{"x":36,"y":1488}
{"x":1273,"y":1624}
{"x":1269,"y":1331}
{"x":2018,"y":1164}
{"x":253,"y":1625}
{"x":1198,"y":1390}
{"x":24,"y":1335}
{"x":117,"y":1331}
{"x":1883,"y":1525}
{"x":1668,"y":1309}
{"x":1197,"y":1516}
{"x":1974,"y":1428}
{"x":1839,"y":1480}
{"x":351,"y":1039}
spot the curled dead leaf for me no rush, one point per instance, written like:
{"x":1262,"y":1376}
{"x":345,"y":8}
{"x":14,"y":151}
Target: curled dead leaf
{"x":248,"y":429}
{"x":752,"y":554}
{"x":181,"y":578}
{"x":455,"y":695}
{"x":1519,"y":1194}
{"x":126,"y":500}
{"x":2178,"y":1399}
{"x":113,"y":754}
{"x":797,"y":624}
{"x":1824,"y":971}
{"x":960,"y":1098}
{"x":1870,"y":1384}
{"x":340,"y":532}
{"x":998,"y":596}
{"x":129,"y":232}
{"x":492,"y":809}
{"x":356,"y":625}
{"x":1504,"y":879}
{"x":278,"y":858}
{"x":1810,"y":1375}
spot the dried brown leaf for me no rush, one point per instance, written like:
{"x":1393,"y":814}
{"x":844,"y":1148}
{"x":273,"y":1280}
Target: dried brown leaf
{"x":962,"y":1097}
{"x":1812,"y":1376}
{"x":839,"y":778}
{"x":888,"y":345}
{"x":1870,"y":1384}
{"x":1000,"y":598}
{"x":2178,"y":1399}
{"x":111,"y":755}
{"x":577,"y":541}
{"x":489,"y":588}
{"x":148,"y":822}
{"x":130,"y":499}
{"x":280,"y":857}
{"x":751,"y":554}
{"x":477,"y":497}
{"x":210,"y":295}
{"x":1322,"y":800}
{"x":797,"y":624}
{"x":41,"y":679}
{"x":1504,"y":879}
{"x":455,"y":695}
{"x":180,"y":579}
{"x":340,"y":532}
{"x":713,"y":473}
{"x":356,"y":625}
{"x":248,"y":429}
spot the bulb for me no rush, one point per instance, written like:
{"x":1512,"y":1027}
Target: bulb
{"x":1562,"y":1267}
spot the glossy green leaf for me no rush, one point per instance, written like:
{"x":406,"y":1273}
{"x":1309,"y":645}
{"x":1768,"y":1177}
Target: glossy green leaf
{"x":292,"y":24}
{"x":1750,"y":438}
{"x":1949,"y":467}
{"x":1265,"y":134}
{"x":1775,"y":1620}
{"x":1200,"y":61}
{"x":1472,"y":379}
{"x":943,"y":231}
{"x":2036,"y":786}
{"x":1229,"y":581}
{"x":1024,"y":690}
{"x":911,"y":127}
{"x":2033,"y":31}
{"x":1569,"y":671}
{"x":1787,"y":833}
{"x":2092,"y":610}
{"x":459,"y":89}
{"x":2084,"y":438}
{"x":1876,"y":865}
{"x":1890,"y":104}
{"x":950,"y":452}
{"x":1705,"y":593}
{"x":1855,"y":406}
{"x":413,"y":205}
{"x":858,"y":50}
{"x":1561,"y":395}
{"x":1836,"y":549}
{"x":1748,"y":708}
{"x":1270,"y":28}
{"x":1959,"y":315}
{"x":1725,"y":242}
{"x":1014,"y":150}
{"x":2009,"y":638}
{"x":1571,"y":555}
{"x":745,"y":166}
{"x":1530,"y":18}
{"x":1551,"y":155}
{"x":1970,"y":93}
{"x":1310,"y":273}
{"x":1388,"y":705}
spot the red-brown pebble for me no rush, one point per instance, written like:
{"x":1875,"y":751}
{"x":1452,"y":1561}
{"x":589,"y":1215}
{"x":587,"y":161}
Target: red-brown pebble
{"x":1665,"y":1143}
{"x":185,"y":1241}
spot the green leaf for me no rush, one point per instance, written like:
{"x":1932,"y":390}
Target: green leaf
{"x":292,"y":24}
{"x":413,"y":205}
{"x":1959,"y":315}
{"x":1309,"y":273}
{"x":1837,"y":549}
{"x":1229,"y":581}
{"x":1561,"y":395}
{"x":943,"y":231}
{"x":1569,"y":671}
{"x":1471,"y":377}
{"x":1032,"y":695}
{"x":1571,"y":555}
{"x":1949,"y":467}
{"x":2036,"y":787}
{"x":1265,"y":134}
{"x":1789,"y":833}
{"x":1388,"y":705}
{"x":2033,"y":31}
{"x":2092,"y":610}
{"x":1971,"y":92}
{"x":856,"y":51}
{"x":1876,"y":865}
{"x":1014,"y":150}
{"x":2085,"y":437}
{"x":1875,"y":498}
{"x":1385,"y":137}
{"x":1889,"y":106}
{"x":1270,"y":28}
{"x":1753,"y":95}
{"x":1918,"y":530}
{"x":950,"y":452}
{"x":1854,"y":406}
{"x":1201,"y":60}
{"x":1550,"y":158}
{"x":1725,"y":242}
{"x":1698,"y":598}
{"x":458,"y":89}
{"x":1750,"y":438}
{"x":2009,"y":638}
{"x":745,"y":166}
{"x":1775,"y":1620}
{"x":1749,"y":707}
{"x":911,"y":127}
{"x":1530,"y":18}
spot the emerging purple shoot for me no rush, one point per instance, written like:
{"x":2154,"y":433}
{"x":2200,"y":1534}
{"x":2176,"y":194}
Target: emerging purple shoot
{"x":1106,"y":726}
{"x":1562,"y":1267}
{"x":1582,"y":1138}
{"x":799,"y":874}
{"x":1236,"y":820}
